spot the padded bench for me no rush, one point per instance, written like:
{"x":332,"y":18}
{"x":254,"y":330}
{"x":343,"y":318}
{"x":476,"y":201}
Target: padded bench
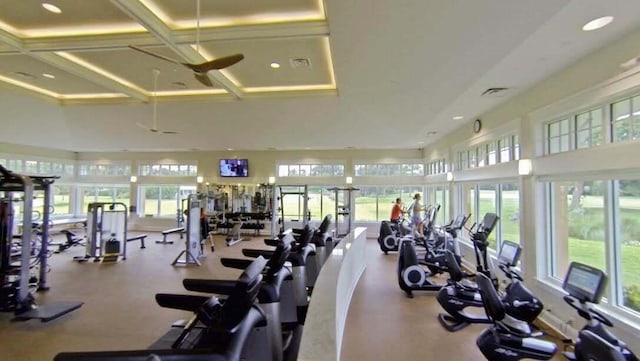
{"x":167,"y":232}
{"x":140,"y":237}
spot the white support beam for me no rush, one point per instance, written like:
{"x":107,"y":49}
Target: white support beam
{"x":90,"y":75}
{"x":307,"y":29}
{"x":155,"y":26}
{"x":11,"y":40}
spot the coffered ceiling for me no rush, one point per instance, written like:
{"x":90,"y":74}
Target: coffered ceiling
{"x":353,"y":73}
{"x":81,"y":54}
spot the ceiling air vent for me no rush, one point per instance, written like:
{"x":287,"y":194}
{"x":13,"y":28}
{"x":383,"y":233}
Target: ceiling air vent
{"x":300,"y":63}
{"x":495,"y":92}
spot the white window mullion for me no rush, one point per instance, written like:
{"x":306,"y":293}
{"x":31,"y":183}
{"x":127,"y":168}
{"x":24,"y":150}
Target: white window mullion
{"x":614,"y":248}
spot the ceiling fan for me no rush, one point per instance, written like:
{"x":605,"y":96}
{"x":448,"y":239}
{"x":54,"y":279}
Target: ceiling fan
{"x":154,"y":124}
{"x":199,"y":70}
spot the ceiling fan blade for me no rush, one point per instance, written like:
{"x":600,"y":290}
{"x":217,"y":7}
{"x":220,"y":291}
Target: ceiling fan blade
{"x":219,"y":63}
{"x":157,"y":55}
{"x":203,"y":78}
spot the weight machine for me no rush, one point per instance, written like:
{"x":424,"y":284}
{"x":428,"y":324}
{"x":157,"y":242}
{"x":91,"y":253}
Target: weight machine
{"x":302,"y":192}
{"x":106,"y":232}
{"x":344,"y":212}
{"x":193,"y":249}
{"x":15,"y":268}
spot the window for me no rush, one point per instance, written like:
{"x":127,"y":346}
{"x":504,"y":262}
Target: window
{"x":399,"y":169}
{"x":366,"y":204}
{"x":625,"y":119}
{"x":103,"y":193}
{"x":577,"y":224}
{"x":627,"y":215}
{"x":61,"y":199}
{"x":502,"y":199}
{"x":162,"y":200}
{"x":293,"y":201}
{"x":504,"y":147}
{"x":558,"y":136}
{"x":509,"y":212}
{"x":589,"y":128}
{"x":104,"y":170}
{"x":487,"y":194}
{"x":169,"y":170}
{"x":310,"y":170}
{"x":435,"y":167}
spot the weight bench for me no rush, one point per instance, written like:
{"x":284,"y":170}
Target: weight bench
{"x":167,"y":232}
{"x":140,"y":237}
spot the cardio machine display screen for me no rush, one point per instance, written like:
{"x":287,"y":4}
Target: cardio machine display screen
{"x":509,"y":253}
{"x":584,"y":283}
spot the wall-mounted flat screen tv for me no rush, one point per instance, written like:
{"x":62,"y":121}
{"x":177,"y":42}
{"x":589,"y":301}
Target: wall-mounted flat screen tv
{"x":234,"y":167}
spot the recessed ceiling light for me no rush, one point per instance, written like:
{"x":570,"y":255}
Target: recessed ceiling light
{"x":52,"y":8}
{"x":47,"y":75}
{"x":229,"y":149}
{"x":420,"y":142}
{"x":458,"y":117}
{"x":598,"y":23}
{"x":275,"y":65}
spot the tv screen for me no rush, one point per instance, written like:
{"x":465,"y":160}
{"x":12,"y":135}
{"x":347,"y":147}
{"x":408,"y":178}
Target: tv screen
{"x":234,"y":167}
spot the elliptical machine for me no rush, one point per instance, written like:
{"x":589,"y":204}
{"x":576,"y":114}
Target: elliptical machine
{"x":412,"y":276}
{"x":521,"y":305}
{"x":584,"y":285}
{"x":500,"y":341}
{"x":435,"y":259}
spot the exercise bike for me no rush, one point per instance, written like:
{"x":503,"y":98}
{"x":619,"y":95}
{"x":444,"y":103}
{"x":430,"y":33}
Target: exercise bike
{"x":584,"y":285}
{"x":500,"y":341}
{"x":521,"y":305}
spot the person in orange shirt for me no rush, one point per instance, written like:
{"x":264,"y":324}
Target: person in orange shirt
{"x":396,"y":211}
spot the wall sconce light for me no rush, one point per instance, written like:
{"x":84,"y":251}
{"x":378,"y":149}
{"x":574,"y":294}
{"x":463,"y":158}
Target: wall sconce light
{"x":525,"y":167}
{"x":272,"y":180}
{"x":449,"y":177}
{"x":349,"y":180}
{"x":199,"y":179}
{"x":133,"y":179}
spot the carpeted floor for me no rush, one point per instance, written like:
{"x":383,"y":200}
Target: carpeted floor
{"x":120,"y":312}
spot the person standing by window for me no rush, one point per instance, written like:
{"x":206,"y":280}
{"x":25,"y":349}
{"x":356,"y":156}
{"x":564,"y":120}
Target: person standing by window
{"x":396,"y":211}
{"x":416,"y":214}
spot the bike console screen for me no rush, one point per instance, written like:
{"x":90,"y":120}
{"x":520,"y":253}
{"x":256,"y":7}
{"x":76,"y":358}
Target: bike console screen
{"x":584,"y":283}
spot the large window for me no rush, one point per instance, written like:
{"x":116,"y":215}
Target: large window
{"x":162,"y":200}
{"x":509,"y":212}
{"x":627,"y":215}
{"x":61,"y":200}
{"x":310,"y":170}
{"x":576,"y":219}
{"x":374,"y":203}
{"x":103,"y":193}
{"x":367,"y":204}
{"x":502,"y":199}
